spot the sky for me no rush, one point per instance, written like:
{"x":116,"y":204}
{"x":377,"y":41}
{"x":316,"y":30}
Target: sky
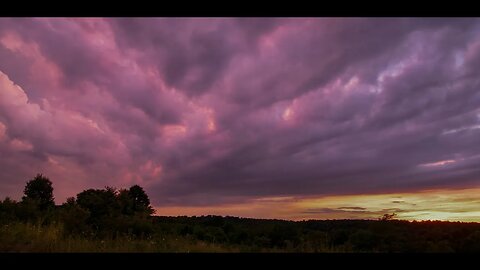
{"x":290,"y":118}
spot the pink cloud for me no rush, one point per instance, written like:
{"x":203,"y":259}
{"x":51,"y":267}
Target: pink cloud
{"x":200,"y":111}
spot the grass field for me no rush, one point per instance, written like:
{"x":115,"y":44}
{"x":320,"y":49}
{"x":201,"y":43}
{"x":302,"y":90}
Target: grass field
{"x":26,"y":237}
{"x":21,"y":237}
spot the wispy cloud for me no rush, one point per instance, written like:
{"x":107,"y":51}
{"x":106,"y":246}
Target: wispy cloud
{"x":438,"y":163}
{"x":216,"y":111}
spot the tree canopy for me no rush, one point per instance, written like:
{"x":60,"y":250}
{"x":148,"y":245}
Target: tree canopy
{"x":141,"y":202}
{"x":40,"y":191}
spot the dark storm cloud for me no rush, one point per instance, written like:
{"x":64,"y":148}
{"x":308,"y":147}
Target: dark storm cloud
{"x":190,"y":57}
{"x":201,"y":111}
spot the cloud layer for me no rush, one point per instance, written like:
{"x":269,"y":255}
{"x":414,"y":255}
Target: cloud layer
{"x":212,"y":111}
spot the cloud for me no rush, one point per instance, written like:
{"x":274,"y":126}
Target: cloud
{"x":350,"y":213}
{"x":331,"y":211}
{"x":354,"y":208}
{"x":205,"y":111}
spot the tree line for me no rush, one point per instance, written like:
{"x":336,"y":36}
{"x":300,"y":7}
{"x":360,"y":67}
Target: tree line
{"x":124,"y":219}
{"x":97,"y":212}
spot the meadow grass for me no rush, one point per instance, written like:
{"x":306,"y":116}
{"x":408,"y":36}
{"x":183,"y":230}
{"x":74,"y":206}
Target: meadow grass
{"x":25,"y":237}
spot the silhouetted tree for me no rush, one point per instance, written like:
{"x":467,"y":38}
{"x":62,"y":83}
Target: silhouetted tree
{"x":40,"y":191}
{"x":8,"y":209}
{"x":388,"y":217}
{"x":101,"y":203}
{"x":74,"y":217}
{"x":70,"y":201}
{"x":141,"y":202}
{"x":125,"y":202}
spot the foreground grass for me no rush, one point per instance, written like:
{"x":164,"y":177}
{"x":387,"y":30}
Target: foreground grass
{"x":26,"y":237}
{"x":21,"y":237}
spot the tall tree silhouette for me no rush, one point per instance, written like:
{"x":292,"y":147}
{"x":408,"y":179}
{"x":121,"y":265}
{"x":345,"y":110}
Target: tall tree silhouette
{"x":40,"y":191}
{"x":125,"y":202}
{"x":141,"y":202}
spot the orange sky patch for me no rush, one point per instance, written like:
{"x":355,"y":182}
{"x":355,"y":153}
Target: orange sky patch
{"x":453,"y":205}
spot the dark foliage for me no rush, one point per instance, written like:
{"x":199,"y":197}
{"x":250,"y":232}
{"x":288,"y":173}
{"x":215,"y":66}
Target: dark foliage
{"x":109,"y":213}
{"x":39,"y":190}
{"x":140,"y":200}
{"x":328,"y":235}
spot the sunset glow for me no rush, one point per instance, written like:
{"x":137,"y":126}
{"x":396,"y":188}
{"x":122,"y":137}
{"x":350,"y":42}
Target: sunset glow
{"x":453,"y":205}
{"x":288,"y":118}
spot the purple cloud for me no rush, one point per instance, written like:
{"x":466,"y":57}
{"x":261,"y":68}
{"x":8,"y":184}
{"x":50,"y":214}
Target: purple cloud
{"x":207,"y":111}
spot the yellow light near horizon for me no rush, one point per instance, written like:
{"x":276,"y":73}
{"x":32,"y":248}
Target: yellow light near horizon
{"x":452,"y":205}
